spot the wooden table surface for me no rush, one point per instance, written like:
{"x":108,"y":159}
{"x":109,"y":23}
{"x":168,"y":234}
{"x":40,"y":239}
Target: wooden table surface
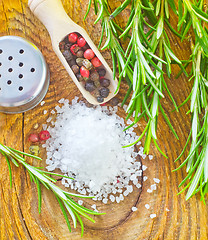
{"x":19,"y":218}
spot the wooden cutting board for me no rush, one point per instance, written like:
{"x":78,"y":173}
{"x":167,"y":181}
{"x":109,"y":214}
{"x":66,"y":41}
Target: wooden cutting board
{"x":19,"y":217}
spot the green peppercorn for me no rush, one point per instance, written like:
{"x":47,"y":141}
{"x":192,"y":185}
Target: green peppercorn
{"x":86,"y":63}
{"x":79,"y":61}
{"x":97,"y":83}
{"x":34,"y":150}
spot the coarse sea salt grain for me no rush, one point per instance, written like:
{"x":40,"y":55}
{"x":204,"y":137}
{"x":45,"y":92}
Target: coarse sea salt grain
{"x":44,"y":126}
{"x":153,"y":187}
{"x":133,"y":209}
{"x":144,"y":167}
{"x":112,"y":198}
{"x":138,"y":185}
{"x":49,"y":119}
{"x":94,"y":207}
{"x":156,"y":180}
{"x":145,"y":178}
{"x":80,"y":202}
{"x":153,"y":215}
{"x":86,"y":144}
{"x":105,"y":200}
{"x":147,"y":206}
{"x":150,"y":157}
{"x":125,"y":107}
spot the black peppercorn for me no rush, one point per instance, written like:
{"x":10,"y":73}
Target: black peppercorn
{"x":100,"y":99}
{"x":67,"y":46}
{"x":72,"y":62}
{"x":86,"y":46}
{"x":75,"y":69}
{"x":105,"y":82}
{"x":89,"y":86}
{"x":94,"y":76}
{"x":104,"y":92}
{"x":102,"y":72}
{"x":68,"y":55}
{"x":62,"y":46}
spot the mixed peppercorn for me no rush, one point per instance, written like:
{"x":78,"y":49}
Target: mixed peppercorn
{"x":86,"y":66}
{"x":35,"y":138}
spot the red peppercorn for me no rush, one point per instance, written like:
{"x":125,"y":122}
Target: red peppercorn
{"x":103,"y":104}
{"x":89,"y":54}
{"x":72,"y":37}
{"x":74,"y":48}
{"x":81,"y":42}
{"x":33,"y":137}
{"x":96,"y":62}
{"x":84,"y":72}
{"x":44,"y":135}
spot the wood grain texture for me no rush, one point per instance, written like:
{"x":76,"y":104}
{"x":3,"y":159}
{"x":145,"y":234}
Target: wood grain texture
{"x":19,"y":218}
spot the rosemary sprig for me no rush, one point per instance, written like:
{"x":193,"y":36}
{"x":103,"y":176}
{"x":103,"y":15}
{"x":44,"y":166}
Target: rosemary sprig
{"x":191,"y":14}
{"x":67,"y":204}
{"x":148,"y":76}
{"x":197,"y":159}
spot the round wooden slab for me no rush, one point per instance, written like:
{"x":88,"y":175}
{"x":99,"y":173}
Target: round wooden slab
{"x":19,"y":217}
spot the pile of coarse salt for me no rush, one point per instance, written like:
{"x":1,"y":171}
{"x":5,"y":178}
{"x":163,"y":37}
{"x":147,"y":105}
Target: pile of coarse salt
{"x":86,"y":144}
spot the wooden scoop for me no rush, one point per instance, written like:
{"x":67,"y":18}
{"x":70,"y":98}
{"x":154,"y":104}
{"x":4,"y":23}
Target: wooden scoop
{"x":52,"y":14}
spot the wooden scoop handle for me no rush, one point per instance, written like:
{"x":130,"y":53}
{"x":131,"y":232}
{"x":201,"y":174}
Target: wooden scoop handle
{"x":59,"y":25}
{"x":52,"y":14}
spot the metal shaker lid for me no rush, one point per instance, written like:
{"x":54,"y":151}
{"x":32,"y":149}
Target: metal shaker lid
{"x":24,"y":75}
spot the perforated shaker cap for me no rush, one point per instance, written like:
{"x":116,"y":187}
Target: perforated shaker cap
{"x":24,"y":75}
